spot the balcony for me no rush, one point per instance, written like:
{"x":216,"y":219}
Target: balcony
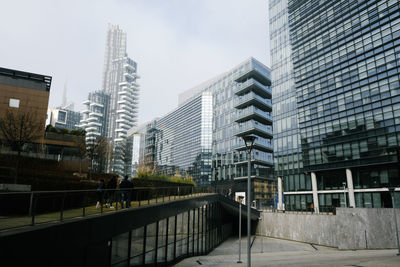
{"x":253,"y":113}
{"x":123,"y":111}
{"x":253,"y":85}
{"x":253,"y":99}
{"x":97,"y":104}
{"x":86,"y":111}
{"x":255,"y":158}
{"x":95,"y":114}
{"x":257,"y":72}
{"x":91,"y":119}
{"x":94,"y":124}
{"x":252,"y":127}
{"x":86,"y":102}
{"x":258,"y":145}
{"x":91,"y":129}
{"x":131,"y":75}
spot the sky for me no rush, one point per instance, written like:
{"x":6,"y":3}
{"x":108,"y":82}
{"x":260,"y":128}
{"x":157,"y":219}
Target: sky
{"x":178,"y":44}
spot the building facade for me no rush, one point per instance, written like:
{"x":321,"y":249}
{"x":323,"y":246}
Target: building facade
{"x":254,"y":118}
{"x":179,"y":143}
{"x":288,"y":163}
{"x":95,"y":115}
{"x":25,"y":93}
{"x":345,"y":56}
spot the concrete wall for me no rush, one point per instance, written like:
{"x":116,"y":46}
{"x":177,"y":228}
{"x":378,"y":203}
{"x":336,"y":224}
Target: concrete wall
{"x":356,"y":228}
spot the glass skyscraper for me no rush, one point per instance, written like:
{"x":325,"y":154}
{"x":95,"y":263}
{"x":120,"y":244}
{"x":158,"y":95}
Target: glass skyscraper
{"x":179,"y":143}
{"x":346,"y":59}
{"x":288,"y":164}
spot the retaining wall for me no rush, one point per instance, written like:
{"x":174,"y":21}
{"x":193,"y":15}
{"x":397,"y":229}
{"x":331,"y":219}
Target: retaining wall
{"x":350,"y":228}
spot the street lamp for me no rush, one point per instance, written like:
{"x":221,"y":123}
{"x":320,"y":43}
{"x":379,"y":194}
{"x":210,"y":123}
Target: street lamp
{"x":249,"y":142}
{"x":240,"y":198}
{"x":391,"y":190}
{"x":344,"y":194}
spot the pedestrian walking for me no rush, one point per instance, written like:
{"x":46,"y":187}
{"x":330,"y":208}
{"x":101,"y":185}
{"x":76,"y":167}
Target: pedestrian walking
{"x":100,"y":189}
{"x":111,"y":186}
{"x":126,"y":188}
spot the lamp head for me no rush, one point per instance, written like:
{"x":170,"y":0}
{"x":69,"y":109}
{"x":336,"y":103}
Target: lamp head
{"x":249,"y":140}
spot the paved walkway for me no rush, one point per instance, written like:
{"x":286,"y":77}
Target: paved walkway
{"x":277,"y":252}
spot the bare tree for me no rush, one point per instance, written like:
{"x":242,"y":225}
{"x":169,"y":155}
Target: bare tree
{"x":82,"y":151}
{"x":18,"y":128}
{"x":100,"y":153}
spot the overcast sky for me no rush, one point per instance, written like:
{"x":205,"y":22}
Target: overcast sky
{"x":177,"y":44}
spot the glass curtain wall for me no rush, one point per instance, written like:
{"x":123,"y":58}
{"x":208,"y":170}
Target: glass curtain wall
{"x":288,"y":159}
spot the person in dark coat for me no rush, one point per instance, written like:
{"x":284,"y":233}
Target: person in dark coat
{"x":100,"y":189}
{"x":111,"y":186}
{"x":126,"y":187}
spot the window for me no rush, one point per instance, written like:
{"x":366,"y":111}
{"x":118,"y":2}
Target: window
{"x":14,"y":103}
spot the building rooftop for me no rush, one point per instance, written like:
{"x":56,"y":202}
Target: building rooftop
{"x":25,"y":79}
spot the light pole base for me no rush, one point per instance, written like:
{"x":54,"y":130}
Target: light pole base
{"x":242,"y":262}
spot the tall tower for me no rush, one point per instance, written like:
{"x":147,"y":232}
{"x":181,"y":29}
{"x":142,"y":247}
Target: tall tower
{"x":120,"y":83}
{"x":115,"y":48}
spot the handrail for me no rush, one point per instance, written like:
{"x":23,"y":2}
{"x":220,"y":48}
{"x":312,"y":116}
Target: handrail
{"x":87,"y":190}
{"x":18,"y":209}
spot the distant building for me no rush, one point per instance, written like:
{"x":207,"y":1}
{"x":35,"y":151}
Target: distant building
{"x":180,"y":142}
{"x":24,"y":92}
{"x":95,"y":115}
{"x":136,"y":137}
{"x":120,"y":83}
{"x":203,"y":135}
{"x":63,"y":118}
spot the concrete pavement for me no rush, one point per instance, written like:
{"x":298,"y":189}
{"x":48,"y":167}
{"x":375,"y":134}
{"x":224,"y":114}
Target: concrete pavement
{"x":276,"y":252}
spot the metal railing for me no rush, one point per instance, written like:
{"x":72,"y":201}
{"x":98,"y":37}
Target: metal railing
{"x":19,"y":209}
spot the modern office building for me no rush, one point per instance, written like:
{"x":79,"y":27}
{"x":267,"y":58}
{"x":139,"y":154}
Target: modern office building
{"x":95,"y":115}
{"x":120,"y":82}
{"x":179,"y":143}
{"x":288,"y":159}
{"x":345,"y":57}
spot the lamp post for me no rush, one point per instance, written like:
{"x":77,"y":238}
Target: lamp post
{"x":391,"y":190}
{"x":344,"y":194}
{"x":240,"y":228}
{"x":249,"y":142}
